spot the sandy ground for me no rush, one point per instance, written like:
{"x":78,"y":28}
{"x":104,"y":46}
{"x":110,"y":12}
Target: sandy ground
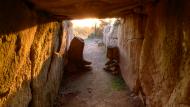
{"x":95,"y":88}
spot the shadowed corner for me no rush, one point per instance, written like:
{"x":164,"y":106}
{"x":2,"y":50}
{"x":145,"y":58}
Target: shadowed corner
{"x":19,"y":15}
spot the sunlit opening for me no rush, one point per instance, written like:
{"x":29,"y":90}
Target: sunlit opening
{"x":85,"y":28}
{"x":90,"y":22}
{"x":85,"y":23}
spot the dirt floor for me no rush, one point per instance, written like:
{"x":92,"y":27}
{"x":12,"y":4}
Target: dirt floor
{"x":95,"y":88}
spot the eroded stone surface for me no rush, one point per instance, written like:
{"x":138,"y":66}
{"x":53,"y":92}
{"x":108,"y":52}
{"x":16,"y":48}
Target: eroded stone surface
{"x":160,"y":70}
{"x":130,"y":38}
{"x":164,"y":67}
{"x":31,"y":66}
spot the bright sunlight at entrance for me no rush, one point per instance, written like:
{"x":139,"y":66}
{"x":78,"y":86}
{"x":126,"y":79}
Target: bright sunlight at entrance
{"x":93,"y":71}
{"x":90,"y":22}
{"x":88,"y":27}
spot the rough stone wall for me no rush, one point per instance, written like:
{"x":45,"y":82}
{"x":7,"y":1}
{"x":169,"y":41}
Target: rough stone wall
{"x":47,"y":64}
{"x":31,"y":64}
{"x":157,"y":67}
{"x":165,"y":59}
{"x":130,"y":40}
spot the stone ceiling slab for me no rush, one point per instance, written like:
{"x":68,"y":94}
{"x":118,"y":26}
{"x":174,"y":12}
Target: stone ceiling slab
{"x":86,"y":8}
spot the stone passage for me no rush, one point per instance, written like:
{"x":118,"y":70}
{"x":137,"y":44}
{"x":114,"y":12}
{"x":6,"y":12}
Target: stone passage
{"x":95,"y":88}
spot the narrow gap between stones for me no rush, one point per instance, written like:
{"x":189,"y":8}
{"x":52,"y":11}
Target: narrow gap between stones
{"x":92,"y":75}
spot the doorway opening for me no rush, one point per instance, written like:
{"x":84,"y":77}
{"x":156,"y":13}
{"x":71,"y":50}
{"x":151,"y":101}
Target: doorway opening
{"x":95,"y":81}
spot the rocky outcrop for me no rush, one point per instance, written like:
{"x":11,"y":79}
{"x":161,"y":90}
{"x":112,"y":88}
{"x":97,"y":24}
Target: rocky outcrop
{"x":31,"y":60}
